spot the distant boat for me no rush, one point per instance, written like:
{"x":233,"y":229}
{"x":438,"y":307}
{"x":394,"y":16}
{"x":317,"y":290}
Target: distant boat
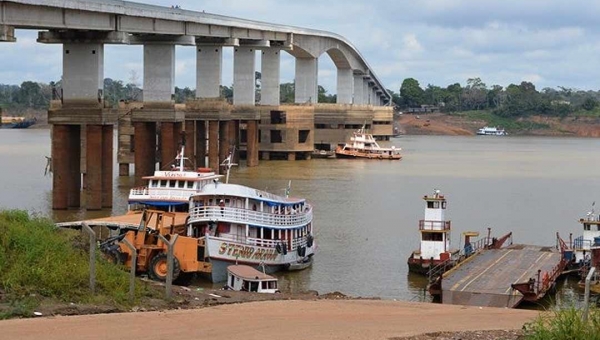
{"x":491,"y":131}
{"x":17,"y":122}
{"x":363,"y":145}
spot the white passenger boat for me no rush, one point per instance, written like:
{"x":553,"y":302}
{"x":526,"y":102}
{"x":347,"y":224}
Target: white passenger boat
{"x":363,"y":145}
{"x":491,"y":131}
{"x":244,"y":225}
{"x":247,"y":279}
{"x":170,"y":190}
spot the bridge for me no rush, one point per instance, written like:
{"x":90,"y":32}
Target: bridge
{"x":264,"y":128}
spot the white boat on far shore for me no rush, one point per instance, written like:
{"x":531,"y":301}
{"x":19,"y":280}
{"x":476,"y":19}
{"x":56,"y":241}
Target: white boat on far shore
{"x":491,"y":131}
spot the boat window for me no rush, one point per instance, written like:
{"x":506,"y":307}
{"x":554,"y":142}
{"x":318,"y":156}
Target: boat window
{"x":254,"y":286}
{"x":444,"y":205}
{"x":232,"y":280}
{"x":272,"y":284}
{"x":433,"y":204}
{"x":163,"y":183}
{"x":432,"y":236}
{"x":586,"y":226}
{"x":190,"y":184}
{"x":181,"y":184}
{"x":264,"y":285}
{"x":172,"y":184}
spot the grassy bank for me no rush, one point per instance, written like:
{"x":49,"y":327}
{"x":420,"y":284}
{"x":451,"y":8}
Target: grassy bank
{"x":39,"y":263}
{"x":564,"y":324}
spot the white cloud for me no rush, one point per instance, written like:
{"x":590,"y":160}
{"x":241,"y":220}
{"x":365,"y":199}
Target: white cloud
{"x":549,"y":42}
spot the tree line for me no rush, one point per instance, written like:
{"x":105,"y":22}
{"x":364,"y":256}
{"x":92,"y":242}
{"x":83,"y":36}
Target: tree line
{"x":513,"y":101}
{"x":36,"y":95}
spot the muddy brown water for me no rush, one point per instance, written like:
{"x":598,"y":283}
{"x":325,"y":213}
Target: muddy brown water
{"x":367,"y":212}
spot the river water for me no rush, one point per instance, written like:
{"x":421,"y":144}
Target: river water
{"x":367,"y":212}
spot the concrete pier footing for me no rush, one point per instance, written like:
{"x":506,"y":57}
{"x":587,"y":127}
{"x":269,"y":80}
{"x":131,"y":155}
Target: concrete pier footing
{"x":145,"y":150}
{"x":213,"y":145}
{"x":252,"y":146}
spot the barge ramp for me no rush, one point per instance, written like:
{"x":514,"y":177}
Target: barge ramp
{"x":504,"y":277}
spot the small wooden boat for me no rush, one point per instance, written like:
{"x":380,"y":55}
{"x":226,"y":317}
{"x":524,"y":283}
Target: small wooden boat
{"x":247,"y":279}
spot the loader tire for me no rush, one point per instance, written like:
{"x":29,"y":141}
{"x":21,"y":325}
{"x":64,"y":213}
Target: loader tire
{"x":158,"y":268}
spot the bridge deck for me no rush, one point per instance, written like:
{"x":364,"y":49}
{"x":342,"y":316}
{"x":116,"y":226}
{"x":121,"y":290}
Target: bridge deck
{"x":485,"y":280}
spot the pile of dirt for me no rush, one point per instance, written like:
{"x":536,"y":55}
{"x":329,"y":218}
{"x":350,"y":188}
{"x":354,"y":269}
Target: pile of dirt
{"x":436,"y":124}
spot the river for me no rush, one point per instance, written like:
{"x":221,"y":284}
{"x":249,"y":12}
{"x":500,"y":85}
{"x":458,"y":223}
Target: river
{"x":367,"y":212}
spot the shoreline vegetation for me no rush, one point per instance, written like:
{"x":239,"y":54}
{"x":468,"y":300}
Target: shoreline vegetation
{"x":44,"y":272}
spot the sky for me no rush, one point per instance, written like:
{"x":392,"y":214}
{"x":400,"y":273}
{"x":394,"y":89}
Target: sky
{"x":550,"y":43}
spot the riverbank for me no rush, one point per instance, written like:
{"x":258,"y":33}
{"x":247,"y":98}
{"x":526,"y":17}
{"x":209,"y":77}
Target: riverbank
{"x":468,"y":123}
{"x":295,"y":319}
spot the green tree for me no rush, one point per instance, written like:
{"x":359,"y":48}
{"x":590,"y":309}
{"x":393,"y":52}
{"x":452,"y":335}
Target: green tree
{"x":287,"y":93}
{"x":411,"y":93}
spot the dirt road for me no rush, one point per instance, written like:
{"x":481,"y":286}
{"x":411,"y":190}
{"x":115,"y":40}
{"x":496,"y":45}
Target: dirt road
{"x":317,"y":319}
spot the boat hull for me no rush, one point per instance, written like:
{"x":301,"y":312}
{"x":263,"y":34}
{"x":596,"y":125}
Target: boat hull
{"x":223,"y":253}
{"x":421,"y":266}
{"x":354,"y":154}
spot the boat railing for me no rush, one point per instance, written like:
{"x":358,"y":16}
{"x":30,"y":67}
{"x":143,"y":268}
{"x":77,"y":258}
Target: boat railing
{"x":163,"y":193}
{"x":139,"y":191}
{"x":581,"y":243}
{"x":248,"y":216}
{"x":434,"y":225}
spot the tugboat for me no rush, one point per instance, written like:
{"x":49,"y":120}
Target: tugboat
{"x":363,"y":145}
{"x":591,"y":237}
{"x":435,"y":236}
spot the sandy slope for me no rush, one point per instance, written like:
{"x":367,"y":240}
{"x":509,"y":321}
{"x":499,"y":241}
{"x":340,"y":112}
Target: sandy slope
{"x":316,"y":319}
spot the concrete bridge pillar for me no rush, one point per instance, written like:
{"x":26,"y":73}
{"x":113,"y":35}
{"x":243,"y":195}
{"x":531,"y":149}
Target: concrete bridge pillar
{"x":82,"y":85}
{"x":213,"y":145}
{"x":244,"y":69}
{"x":200,"y":156}
{"x":345,"y":85}
{"x":252,"y":143}
{"x":159,"y":73}
{"x":306,"y":80}
{"x":366,"y":93}
{"x":271,"y":65}
{"x":209,"y":68}
{"x":359,"y":98}
{"x":145,"y":150}
{"x":159,"y":86}
{"x":225,"y":128}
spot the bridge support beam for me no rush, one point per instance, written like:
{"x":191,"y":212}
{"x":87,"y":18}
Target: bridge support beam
{"x":82,"y":105}
{"x":224,"y":142}
{"x":306,"y":80}
{"x":209,"y":68}
{"x":359,"y":98}
{"x":145,"y":150}
{"x":270,"y":73}
{"x":200,"y":156}
{"x":252,"y":143}
{"x":345,"y":85}
{"x":66,"y":176}
{"x":7,"y":33}
{"x":244,"y":68}
{"x":213,"y":145}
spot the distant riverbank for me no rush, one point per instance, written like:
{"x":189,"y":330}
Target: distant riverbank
{"x":468,"y":123}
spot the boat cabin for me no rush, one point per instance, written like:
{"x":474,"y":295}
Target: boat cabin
{"x":590,"y":238}
{"x":247,"y":279}
{"x":435,"y":230}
